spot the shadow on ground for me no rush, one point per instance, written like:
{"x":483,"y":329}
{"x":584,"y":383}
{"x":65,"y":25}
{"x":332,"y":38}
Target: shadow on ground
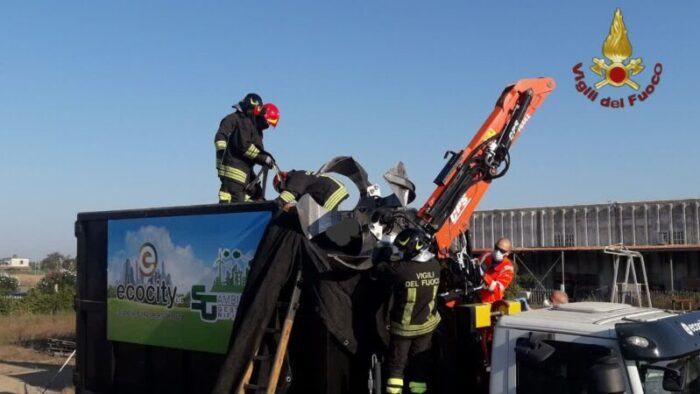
{"x":43,"y":375}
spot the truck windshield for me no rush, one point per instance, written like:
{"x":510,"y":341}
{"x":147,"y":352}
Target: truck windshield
{"x":652,"y":375}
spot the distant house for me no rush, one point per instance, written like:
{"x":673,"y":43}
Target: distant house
{"x":15,"y":263}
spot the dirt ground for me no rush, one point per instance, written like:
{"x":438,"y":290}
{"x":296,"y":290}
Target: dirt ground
{"x":27,"y":280}
{"x":28,"y":371}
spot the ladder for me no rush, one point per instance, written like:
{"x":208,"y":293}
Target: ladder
{"x":280,"y":337}
{"x":622,"y":289}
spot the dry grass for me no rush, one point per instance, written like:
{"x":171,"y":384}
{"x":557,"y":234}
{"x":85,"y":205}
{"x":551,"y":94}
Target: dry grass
{"x":27,"y":280}
{"x":16,"y":329}
{"x":16,"y":353}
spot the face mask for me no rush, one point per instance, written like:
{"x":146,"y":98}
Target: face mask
{"x":498,"y":255}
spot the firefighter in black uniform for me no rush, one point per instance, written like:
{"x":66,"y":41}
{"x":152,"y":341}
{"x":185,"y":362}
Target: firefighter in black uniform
{"x":239,"y":146}
{"x":415,"y":279}
{"x":326,"y":190}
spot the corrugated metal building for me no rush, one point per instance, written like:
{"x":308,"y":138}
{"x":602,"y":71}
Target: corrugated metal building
{"x":547,"y":239}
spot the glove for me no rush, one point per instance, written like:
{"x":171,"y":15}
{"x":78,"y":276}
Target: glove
{"x":266,"y":160}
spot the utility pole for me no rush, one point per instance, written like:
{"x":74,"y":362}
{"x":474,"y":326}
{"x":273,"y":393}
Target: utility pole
{"x":670,"y":260}
{"x":563,"y":285}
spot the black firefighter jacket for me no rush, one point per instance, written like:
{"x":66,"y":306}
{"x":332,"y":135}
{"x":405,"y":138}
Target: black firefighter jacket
{"x":239,"y":143}
{"x":327,"y":191}
{"x":415,"y":284}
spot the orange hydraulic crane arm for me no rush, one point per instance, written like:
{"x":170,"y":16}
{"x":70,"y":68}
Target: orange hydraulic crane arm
{"x":467,"y":175}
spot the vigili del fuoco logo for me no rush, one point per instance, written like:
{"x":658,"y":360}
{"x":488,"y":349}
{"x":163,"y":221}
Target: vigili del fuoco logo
{"x":618,"y":70}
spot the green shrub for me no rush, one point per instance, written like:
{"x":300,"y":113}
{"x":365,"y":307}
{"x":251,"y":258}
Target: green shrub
{"x":56,"y":282}
{"x":8,"y":284}
{"x":37,"y":301}
{"x":54,"y":293}
{"x":8,"y":305}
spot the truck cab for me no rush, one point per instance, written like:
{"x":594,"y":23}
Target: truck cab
{"x":587,"y":347}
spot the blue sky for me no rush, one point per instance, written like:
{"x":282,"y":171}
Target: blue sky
{"x":113,"y":105}
{"x":203,"y":234}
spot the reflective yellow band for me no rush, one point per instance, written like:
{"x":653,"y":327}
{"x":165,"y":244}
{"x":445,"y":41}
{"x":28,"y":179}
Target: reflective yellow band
{"x":252,"y":152}
{"x":233,"y":173}
{"x":248,"y":198}
{"x":223,"y":196}
{"x":220,"y":145}
{"x":395,"y":382}
{"x":287,"y":196}
{"x":408,"y":308}
{"x":417,"y":387}
{"x":415,"y":330}
{"x":335,"y":198}
{"x":393,"y":390}
{"x":431,"y":305}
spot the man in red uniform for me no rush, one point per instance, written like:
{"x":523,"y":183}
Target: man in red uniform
{"x":498,"y":271}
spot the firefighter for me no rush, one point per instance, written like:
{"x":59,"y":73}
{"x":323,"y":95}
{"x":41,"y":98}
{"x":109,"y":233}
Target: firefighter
{"x":498,"y":271}
{"x":239,"y":146}
{"x":326,"y":190}
{"x":415,"y":279}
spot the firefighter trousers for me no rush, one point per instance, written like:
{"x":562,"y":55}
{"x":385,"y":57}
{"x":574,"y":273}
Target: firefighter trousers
{"x":413,"y":357}
{"x":231,"y":191}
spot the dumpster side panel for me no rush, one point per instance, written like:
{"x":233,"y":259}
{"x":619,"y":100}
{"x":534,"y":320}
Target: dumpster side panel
{"x":104,"y":366}
{"x":93,"y":349}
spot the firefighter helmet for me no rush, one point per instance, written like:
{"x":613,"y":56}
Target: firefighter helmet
{"x":411,"y":242}
{"x":251,"y":102}
{"x":278,"y":179}
{"x":271,"y":114}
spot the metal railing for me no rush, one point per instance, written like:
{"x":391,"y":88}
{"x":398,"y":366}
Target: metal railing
{"x":662,"y":299}
{"x":647,"y":223}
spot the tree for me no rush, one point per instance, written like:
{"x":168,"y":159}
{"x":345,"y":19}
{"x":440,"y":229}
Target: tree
{"x":69,"y":264}
{"x":55,"y":282}
{"x":53,"y":261}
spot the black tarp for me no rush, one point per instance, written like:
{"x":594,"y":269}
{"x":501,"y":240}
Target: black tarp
{"x":339,"y":324}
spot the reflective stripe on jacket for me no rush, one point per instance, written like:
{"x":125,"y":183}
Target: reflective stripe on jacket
{"x":238,"y":142}
{"x":415,"y":285}
{"x":497,"y":278}
{"x":326,"y":190}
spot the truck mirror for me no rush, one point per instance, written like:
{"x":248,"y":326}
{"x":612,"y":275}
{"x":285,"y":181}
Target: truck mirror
{"x":533,"y":349}
{"x":607,"y":376}
{"x":675,"y":376}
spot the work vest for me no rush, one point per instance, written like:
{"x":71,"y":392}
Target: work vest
{"x":497,"y":278}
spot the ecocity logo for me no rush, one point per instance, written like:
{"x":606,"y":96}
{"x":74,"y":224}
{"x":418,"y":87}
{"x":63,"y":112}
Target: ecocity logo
{"x":619,"y":72}
{"x":148,"y":259}
{"x":148,"y":285}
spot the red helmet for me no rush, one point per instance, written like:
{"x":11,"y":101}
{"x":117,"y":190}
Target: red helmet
{"x":278,"y":179}
{"x":271,"y":114}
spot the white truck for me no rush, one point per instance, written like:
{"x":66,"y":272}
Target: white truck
{"x":596,"y":347}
